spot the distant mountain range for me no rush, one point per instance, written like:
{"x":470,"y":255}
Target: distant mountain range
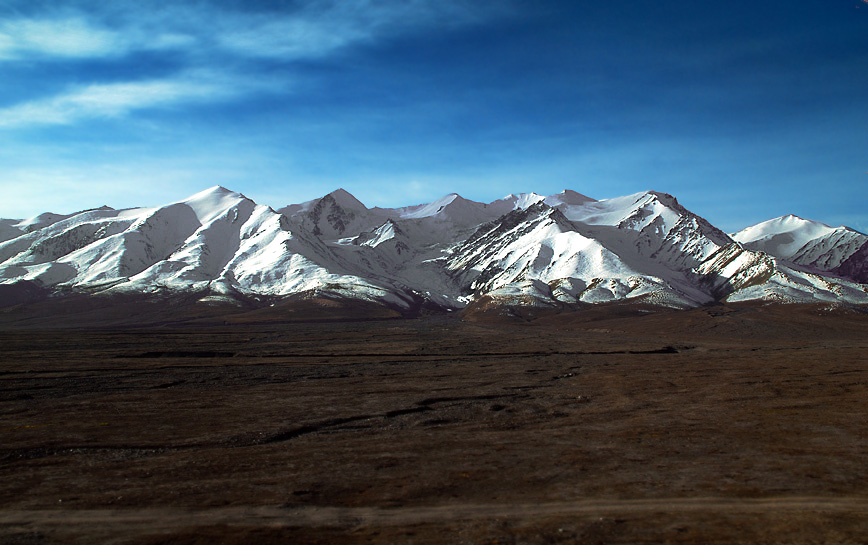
{"x":523,"y":249}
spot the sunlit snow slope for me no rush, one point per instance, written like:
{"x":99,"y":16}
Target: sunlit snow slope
{"x":803,"y":242}
{"x":217,"y":242}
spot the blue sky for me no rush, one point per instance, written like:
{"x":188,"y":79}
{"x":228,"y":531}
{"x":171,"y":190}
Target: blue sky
{"x":744,"y":110}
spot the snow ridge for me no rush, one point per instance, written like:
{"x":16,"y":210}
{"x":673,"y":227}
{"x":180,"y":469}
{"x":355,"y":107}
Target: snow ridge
{"x":803,"y":242}
{"x":525,"y":248}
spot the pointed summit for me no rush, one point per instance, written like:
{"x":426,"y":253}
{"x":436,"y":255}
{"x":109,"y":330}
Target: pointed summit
{"x":346,"y":200}
{"x":334,"y":216}
{"x":452,"y":205}
{"x":214,"y":190}
{"x":213,"y":202}
{"x":519,"y":201}
{"x":568,"y":197}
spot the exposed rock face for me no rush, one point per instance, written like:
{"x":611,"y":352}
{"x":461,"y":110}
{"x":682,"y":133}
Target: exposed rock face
{"x":856,"y":266}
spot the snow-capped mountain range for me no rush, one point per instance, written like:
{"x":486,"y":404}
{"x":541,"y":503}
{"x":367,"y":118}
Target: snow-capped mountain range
{"x":522,"y":249}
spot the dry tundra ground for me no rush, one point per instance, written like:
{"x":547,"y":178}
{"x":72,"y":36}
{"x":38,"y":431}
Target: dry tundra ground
{"x":728,"y":424}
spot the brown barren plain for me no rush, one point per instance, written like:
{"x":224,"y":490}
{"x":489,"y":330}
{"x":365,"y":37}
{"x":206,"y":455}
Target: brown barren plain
{"x":306,"y":424}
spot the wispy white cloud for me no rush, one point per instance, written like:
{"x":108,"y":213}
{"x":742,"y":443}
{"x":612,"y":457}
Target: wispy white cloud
{"x":119,"y":99}
{"x":66,"y":38}
{"x":290,"y":38}
{"x":321,"y":28}
{"x":208,"y":40}
{"x":312,"y":29}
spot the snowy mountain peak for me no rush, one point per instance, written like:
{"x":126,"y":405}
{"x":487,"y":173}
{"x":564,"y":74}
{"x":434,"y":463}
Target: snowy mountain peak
{"x":655,"y":202}
{"x":512,"y":202}
{"x":452,"y":205}
{"x":785,"y":234}
{"x":214,"y":202}
{"x":665,"y":198}
{"x":563,"y":199}
{"x":804,"y":242}
{"x":215,"y":190}
{"x":791,"y":222}
{"x":42,"y":220}
{"x":523,"y":200}
{"x":527,"y":217}
{"x":525,"y":248}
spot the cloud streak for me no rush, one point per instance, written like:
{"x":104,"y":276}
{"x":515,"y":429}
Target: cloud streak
{"x":321,"y":28}
{"x":72,"y":37}
{"x":312,"y":30}
{"x":114,"y":100}
{"x":207,"y":43}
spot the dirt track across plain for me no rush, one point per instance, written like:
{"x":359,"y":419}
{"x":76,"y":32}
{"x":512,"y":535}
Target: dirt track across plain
{"x":128,"y":524}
